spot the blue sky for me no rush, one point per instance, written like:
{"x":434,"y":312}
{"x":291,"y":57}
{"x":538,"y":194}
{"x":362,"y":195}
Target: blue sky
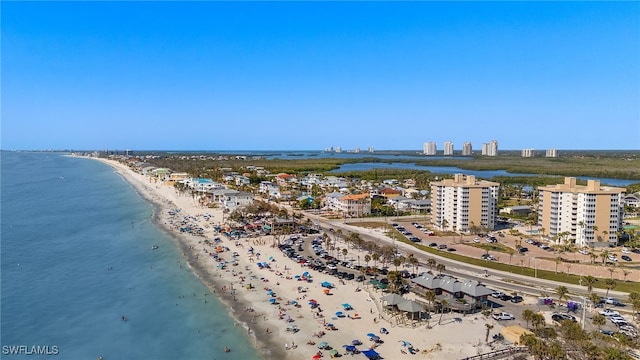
{"x":289,"y":75}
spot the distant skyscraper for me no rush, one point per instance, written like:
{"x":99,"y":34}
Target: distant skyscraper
{"x":466,"y":149}
{"x":371,"y":149}
{"x":551,"y":153}
{"x":528,"y":153}
{"x":356,"y":150}
{"x":448,"y":148}
{"x":338,"y":149}
{"x":490,"y":148}
{"x":429,"y":148}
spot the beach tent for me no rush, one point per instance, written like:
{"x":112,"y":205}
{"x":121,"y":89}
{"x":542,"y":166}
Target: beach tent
{"x":349,"y":348}
{"x":371,"y":354}
{"x":323,"y":345}
{"x":347,"y":307}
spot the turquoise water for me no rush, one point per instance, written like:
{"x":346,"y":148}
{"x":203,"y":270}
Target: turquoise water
{"x":76,"y":256}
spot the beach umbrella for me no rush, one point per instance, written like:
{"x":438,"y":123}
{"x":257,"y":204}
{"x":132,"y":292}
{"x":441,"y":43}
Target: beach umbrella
{"x":350,"y":348}
{"x":393,"y":299}
{"x":316,"y":356}
{"x":327,"y":291}
{"x":410,"y":306}
{"x":371,"y":335}
{"x":356,"y":342}
{"x":272,"y":300}
{"x":323,"y":345}
{"x":339,"y":314}
{"x":405,"y":343}
{"x":347,"y":306}
{"x":333,"y":352}
{"x":306,"y":273}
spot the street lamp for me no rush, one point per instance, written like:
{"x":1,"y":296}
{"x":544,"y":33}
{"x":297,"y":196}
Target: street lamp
{"x":535,"y":265}
{"x":584,"y":311}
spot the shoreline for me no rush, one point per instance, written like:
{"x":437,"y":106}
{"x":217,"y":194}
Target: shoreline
{"x":236,"y":308}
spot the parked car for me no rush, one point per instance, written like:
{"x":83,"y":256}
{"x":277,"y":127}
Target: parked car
{"x":433,"y":244}
{"x":584,"y":251}
{"x":502,"y":316}
{"x":497,"y":294}
{"x":562,"y":316}
{"x":625,"y":258}
{"x":505,"y":297}
{"x":517,"y":299}
{"x":523,"y":249}
{"x":476,"y":240}
{"x":608,"y":312}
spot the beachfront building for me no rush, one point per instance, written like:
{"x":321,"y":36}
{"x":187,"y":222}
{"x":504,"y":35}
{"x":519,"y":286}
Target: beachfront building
{"x":429,"y":148}
{"x":591,"y":214}
{"x":355,"y":205}
{"x":490,"y":148}
{"x":230,"y":199}
{"x":462,"y":295}
{"x":202,"y":184}
{"x":551,"y":153}
{"x":463,"y":202}
{"x":467,"y":149}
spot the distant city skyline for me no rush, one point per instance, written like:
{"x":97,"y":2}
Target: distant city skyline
{"x":307,"y":76}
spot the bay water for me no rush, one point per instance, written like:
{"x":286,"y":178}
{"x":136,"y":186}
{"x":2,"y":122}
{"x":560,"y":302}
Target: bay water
{"x":77,"y":256}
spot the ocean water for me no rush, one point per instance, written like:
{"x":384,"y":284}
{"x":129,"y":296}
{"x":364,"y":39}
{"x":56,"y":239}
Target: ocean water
{"x":76,"y":256}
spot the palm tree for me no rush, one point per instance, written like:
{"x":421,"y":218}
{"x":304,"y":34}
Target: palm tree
{"x":344,"y":254}
{"x":557,"y":260}
{"x":489,"y":327}
{"x":604,"y":255}
{"x":626,"y":273}
{"x":562,"y":292}
{"x":537,"y":320}
{"x":440,"y":268}
{"x":375,"y":257}
{"x":430,"y":296}
{"x":599,"y":320}
{"x":611,"y":269}
{"x":527,"y":315}
{"x":589,"y":281}
{"x":431,"y":263}
{"x":413,"y":261}
{"x":367,"y":258}
{"x":594,"y":298}
{"x":593,"y":257}
{"x":609,"y":284}
{"x":443,"y":305}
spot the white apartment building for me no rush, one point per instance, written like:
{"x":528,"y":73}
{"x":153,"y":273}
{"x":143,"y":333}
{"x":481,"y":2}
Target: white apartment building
{"x":490,"y":148}
{"x":551,"y":153}
{"x":462,"y":202}
{"x":528,"y":153}
{"x":467,"y":149}
{"x":591,"y":214}
{"x":429,"y":148}
{"x":371,"y":149}
{"x":448,"y":148}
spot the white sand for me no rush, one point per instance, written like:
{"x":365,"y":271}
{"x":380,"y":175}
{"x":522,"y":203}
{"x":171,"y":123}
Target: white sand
{"x":457,"y":337}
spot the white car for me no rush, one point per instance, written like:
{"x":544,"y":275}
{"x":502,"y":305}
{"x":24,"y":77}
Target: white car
{"x":609,"y":312}
{"x":476,"y":240}
{"x":613,"y":258}
{"x":502,"y":316}
{"x":625,"y":251}
{"x":584,"y":251}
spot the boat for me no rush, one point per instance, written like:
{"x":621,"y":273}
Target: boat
{"x":154,"y":247}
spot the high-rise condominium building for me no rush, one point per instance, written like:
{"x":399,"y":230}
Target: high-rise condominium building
{"x":551,"y":153}
{"x":591,"y":214}
{"x":338,"y":149}
{"x":448,"y":148}
{"x":528,"y":153}
{"x":490,"y":148}
{"x":371,"y":149}
{"x":467,"y":149}
{"x":356,"y":150}
{"x":429,"y":148}
{"x":463,"y":203}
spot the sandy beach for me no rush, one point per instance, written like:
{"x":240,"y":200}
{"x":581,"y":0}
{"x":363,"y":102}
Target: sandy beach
{"x":249,"y":292}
